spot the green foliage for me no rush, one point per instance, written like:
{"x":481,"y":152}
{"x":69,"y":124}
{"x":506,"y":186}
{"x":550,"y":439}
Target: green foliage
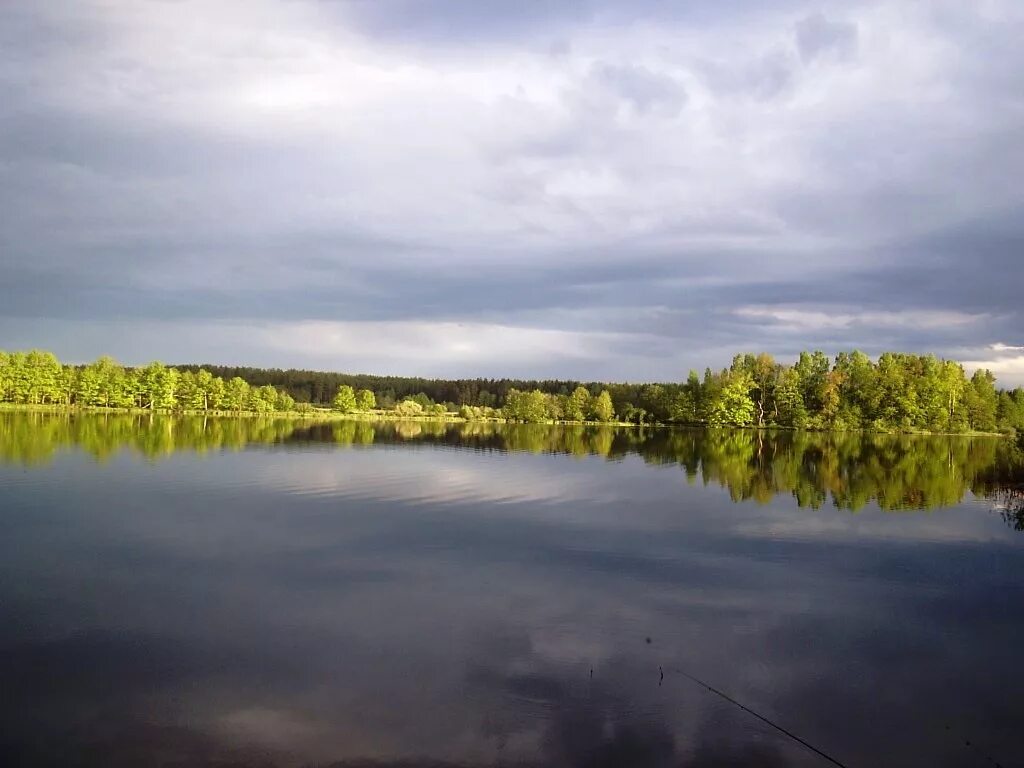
{"x":601,"y":408}
{"x":577,"y":405}
{"x":634,"y":414}
{"x":236,"y":394}
{"x":982,"y":401}
{"x":409,"y":408}
{"x":423,"y":400}
{"x":38,"y":378}
{"x":899,"y":392}
{"x":733,"y":407}
{"x":262,"y":399}
{"x":535,"y":407}
{"x":344,"y":399}
{"x":531,"y":407}
{"x":789,"y":400}
{"x":1010,"y":411}
{"x":365,"y":400}
{"x":285,"y":402}
{"x":478,"y":412}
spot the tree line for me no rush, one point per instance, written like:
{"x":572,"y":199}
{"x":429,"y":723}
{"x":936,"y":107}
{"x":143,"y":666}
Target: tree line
{"x":39,"y":378}
{"x":896,"y":392}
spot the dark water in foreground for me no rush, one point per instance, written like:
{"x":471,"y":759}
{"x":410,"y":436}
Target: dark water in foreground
{"x":246,"y":593}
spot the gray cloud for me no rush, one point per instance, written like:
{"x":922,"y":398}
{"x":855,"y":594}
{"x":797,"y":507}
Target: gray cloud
{"x":611,"y":191}
{"x":817,"y":36}
{"x":461,"y":21}
{"x":644,"y":90}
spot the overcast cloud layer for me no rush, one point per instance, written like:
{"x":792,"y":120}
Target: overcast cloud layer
{"x":588,"y":189}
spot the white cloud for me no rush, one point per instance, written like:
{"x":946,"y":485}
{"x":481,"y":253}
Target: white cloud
{"x":801,"y":320}
{"x":422,"y":344}
{"x":1006,"y":361}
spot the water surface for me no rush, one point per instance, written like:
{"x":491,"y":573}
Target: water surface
{"x":200,"y":592}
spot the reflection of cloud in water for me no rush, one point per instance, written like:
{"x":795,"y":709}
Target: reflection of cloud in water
{"x":302,"y":604}
{"x":441,"y":477}
{"x":553,"y":490}
{"x":585,"y":722}
{"x":954,"y":523}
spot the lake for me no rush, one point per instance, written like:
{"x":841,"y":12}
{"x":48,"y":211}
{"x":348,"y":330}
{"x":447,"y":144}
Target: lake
{"x":244,"y":592}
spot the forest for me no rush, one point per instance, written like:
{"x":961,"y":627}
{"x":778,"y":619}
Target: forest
{"x":895,"y":392}
{"x":39,"y":378}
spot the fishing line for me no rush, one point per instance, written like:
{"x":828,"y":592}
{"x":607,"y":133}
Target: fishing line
{"x":971,"y":745}
{"x":762,"y":718}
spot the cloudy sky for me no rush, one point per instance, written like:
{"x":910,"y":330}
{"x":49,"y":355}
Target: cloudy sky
{"x":588,"y":188}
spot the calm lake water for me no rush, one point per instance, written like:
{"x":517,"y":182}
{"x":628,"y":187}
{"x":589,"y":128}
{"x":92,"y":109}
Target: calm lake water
{"x":189,"y":592}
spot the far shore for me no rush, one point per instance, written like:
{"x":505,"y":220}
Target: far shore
{"x":318,"y":414}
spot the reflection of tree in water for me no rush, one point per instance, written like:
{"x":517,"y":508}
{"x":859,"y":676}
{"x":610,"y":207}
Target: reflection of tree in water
{"x":849,"y":469}
{"x":1010,"y":502}
{"x":1002,"y":483}
{"x":896,"y":471}
{"x":351,"y":432}
{"x":34,"y":438}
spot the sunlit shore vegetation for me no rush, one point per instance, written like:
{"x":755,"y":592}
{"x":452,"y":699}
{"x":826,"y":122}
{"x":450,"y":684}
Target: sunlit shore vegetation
{"x":896,"y":393}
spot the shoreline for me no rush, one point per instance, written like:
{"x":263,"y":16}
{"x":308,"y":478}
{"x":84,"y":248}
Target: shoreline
{"x":327,"y":415}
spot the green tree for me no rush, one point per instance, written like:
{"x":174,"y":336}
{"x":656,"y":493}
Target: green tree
{"x":205,"y":390}
{"x":5,"y":377}
{"x":216,"y":393}
{"x":813,"y":368}
{"x":236,"y":394}
{"x":710,"y":391}
{"x":19,"y":381}
{"x":345,"y":399}
{"x":158,"y":385}
{"x":982,"y":401}
{"x":789,"y":401}
{"x":764,"y":374}
{"x":365,"y":400}
{"x":733,"y":406}
{"x":409,"y":408}
{"x":104,"y":383}
{"x":262,"y":399}
{"x":577,"y":405}
{"x":954,"y":382}
{"x":687,"y":405}
{"x":601,"y":408}
{"x":43,"y":374}
{"x":531,"y":407}
{"x":285,"y":402}
{"x":67,"y":382}
{"x":190,"y":395}
{"x":555,"y":405}
{"x":654,"y":400}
